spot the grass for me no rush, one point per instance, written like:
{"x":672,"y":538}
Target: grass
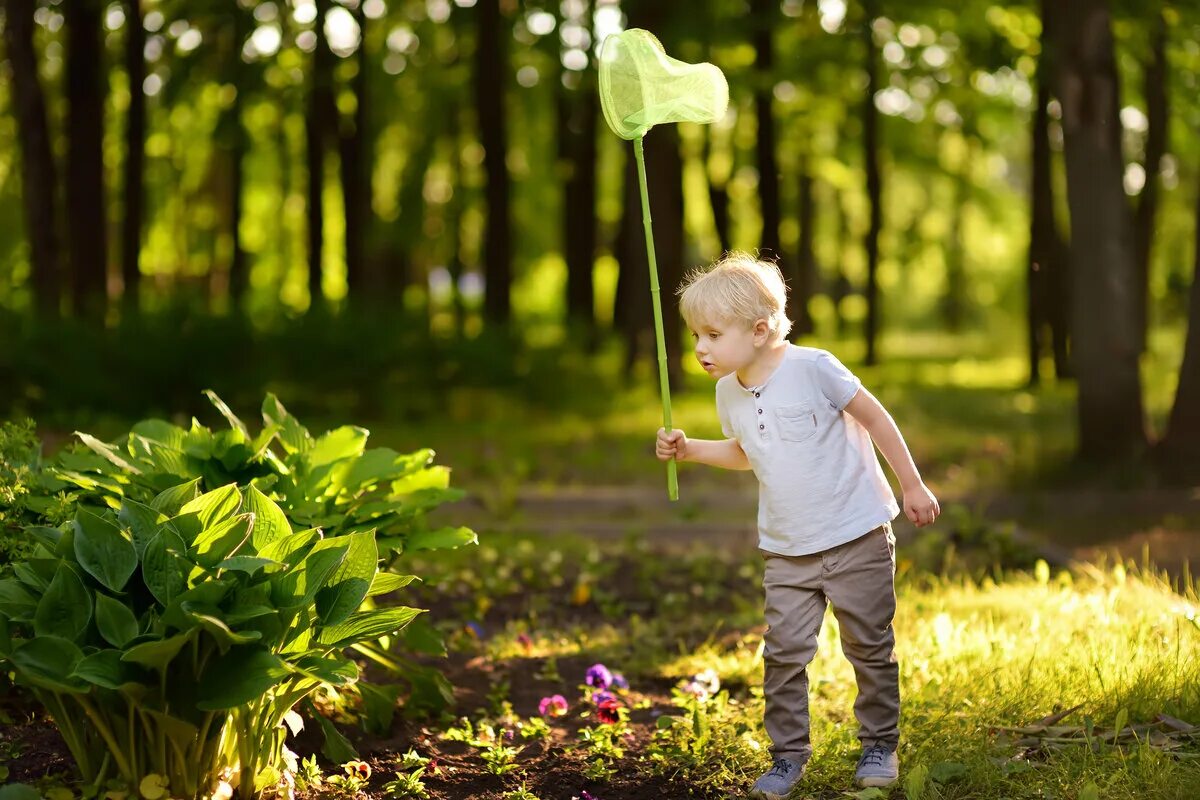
{"x":975,"y":657}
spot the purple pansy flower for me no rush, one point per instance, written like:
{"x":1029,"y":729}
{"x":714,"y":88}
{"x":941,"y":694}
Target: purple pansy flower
{"x":599,"y":676}
{"x":618,"y":681}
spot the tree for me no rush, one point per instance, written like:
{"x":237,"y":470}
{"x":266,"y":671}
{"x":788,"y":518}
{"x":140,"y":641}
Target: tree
{"x":38,"y":180}
{"x":1179,"y":449}
{"x":1104,"y":337}
{"x":1155,"y":91}
{"x":763,"y":13}
{"x":321,"y":113}
{"x":870,"y":142}
{"x":578,"y":112}
{"x":491,"y":69}
{"x":357,"y":165}
{"x":87,"y":245}
{"x":135,"y":156}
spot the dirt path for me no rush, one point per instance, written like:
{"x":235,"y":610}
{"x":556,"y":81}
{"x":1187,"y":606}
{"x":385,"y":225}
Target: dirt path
{"x":1063,"y":525}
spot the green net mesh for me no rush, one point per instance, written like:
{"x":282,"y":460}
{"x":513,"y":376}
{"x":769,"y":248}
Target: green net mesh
{"x":641,"y":86}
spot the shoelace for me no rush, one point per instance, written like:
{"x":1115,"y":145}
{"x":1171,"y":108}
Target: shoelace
{"x":874,"y":756}
{"x":782,"y":767}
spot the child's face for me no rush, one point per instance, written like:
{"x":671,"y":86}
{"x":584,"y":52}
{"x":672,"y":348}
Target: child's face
{"x":725,"y":346}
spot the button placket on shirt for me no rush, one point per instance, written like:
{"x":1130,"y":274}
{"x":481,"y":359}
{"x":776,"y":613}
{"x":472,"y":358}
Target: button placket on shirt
{"x":762,"y":428}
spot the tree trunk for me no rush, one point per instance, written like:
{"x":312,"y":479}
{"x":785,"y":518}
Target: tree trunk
{"x":840,"y":289}
{"x":1156,"y":146}
{"x":874,"y":184}
{"x":239,"y":271}
{"x":87,"y":245}
{"x":491,"y":69}
{"x":1042,"y":233}
{"x":1104,"y":340}
{"x":630,"y":309}
{"x":135,"y":157}
{"x":322,"y":113}
{"x":763,"y":13}
{"x":1179,"y":450}
{"x":38,"y":179}
{"x":578,"y":111}
{"x":804,"y":281}
{"x":1057,"y":264}
{"x":356,"y":149}
{"x":718,"y":195}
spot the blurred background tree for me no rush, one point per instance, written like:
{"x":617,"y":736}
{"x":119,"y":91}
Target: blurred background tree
{"x":370,"y":198}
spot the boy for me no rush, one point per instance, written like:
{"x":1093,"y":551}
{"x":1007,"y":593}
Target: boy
{"x":806,"y":426}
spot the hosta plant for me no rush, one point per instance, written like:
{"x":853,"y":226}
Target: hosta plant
{"x":170,"y":640}
{"x":331,"y":481}
{"x":189,"y":586}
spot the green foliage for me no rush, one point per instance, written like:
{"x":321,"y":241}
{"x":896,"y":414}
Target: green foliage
{"x":205,"y":585}
{"x":19,"y":468}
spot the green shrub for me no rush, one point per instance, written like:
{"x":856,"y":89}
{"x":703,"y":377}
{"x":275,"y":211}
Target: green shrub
{"x":204,"y":585}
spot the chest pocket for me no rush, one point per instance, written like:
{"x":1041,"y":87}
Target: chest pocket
{"x":796,"y":422}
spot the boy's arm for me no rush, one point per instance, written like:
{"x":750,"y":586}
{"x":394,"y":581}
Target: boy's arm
{"x":725,"y":453}
{"x":920,"y":505}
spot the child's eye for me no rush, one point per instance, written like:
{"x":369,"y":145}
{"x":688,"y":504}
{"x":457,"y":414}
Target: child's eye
{"x":695,"y":335}
{"x":714,"y":336}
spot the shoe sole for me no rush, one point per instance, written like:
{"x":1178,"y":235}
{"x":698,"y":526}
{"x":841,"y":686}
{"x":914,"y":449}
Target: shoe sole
{"x":877,"y":783}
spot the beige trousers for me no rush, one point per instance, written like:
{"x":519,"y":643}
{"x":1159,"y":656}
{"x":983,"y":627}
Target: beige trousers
{"x":857,"y":579}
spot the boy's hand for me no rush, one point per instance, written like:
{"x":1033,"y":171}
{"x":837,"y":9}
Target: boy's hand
{"x":671,"y":445}
{"x":920,"y":506}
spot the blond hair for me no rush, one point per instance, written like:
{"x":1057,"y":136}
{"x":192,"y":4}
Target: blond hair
{"x":737,"y":288}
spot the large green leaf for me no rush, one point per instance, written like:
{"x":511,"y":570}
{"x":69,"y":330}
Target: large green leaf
{"x":366,"y":625}
{"x":48,"y":661}
{"x":349,"y":584}
{"x":142,"y":521}
{"x":170,"y":501}
{"x":104,"y":550}
{"x":229,"y":416}
{"x":440,"y":539}
{"x":16,"y":602}
{"x":344,"y":442}
{"x":385,"y":582}
{"x":66,"y":608}
{"x":220,"y":541}
{"x":161,"y":431}
{"x":165,"y":569}
{"x":241,"y":676}
{"x":105,"y":668}
{"x":378,"y":466}
{"x":337,"y":671}
{"x":292,"y":435}
{"x":291,"y":548}
{"x":115,"y":620}
{"x":158,"y":653}
{"x":270,"y":523}
{"x":218,"y":628}
{"x":299,"y":585}
{"x":215,"y":506}
{"x":108,"y":452}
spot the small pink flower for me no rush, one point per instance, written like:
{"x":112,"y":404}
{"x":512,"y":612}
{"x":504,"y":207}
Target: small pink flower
{"x":525,"y":642}
{"x":553,"y":706}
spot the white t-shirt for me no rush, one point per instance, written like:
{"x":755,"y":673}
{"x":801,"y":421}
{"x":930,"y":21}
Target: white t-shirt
{"x":820,"y":483}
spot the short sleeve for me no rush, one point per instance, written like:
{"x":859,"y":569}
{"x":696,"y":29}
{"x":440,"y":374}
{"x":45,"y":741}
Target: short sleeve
{"x":838,"y":384}
{"x":723,"y":415}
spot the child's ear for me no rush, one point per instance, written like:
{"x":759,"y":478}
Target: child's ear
{"x":762,"y":330}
